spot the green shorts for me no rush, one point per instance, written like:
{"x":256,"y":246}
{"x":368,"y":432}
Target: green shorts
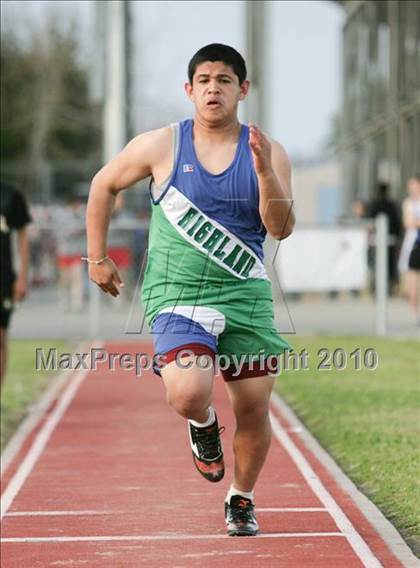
{"x":238,"y":332}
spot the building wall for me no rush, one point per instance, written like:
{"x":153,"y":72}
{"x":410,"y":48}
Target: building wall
{"x":317,"y":192}
{"x":381,"y":96}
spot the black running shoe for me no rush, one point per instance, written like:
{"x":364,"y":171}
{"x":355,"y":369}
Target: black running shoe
{"x":207,"y":450}
{"x":240,"y":517}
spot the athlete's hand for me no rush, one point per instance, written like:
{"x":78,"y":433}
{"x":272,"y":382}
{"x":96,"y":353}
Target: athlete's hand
{"x":107,"y":277}
{"x":20,"y":289}
{"x":261,"y":150}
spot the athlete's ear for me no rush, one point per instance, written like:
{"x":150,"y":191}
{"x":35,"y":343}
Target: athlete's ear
{"x":244,"y":90}
{"x":189,"y":90}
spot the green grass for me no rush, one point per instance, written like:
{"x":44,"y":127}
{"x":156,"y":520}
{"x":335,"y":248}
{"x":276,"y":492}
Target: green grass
{"x":23,"y":384}
{"x":368,"y":420}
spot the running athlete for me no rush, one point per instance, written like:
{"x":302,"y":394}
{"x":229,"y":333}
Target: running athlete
{"x":217,"y":187}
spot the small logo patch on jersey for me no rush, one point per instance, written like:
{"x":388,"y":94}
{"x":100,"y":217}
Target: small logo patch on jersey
{"x":186,"y":168}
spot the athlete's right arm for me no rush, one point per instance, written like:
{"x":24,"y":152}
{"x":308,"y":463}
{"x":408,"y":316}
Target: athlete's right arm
{"x":138,"y":160}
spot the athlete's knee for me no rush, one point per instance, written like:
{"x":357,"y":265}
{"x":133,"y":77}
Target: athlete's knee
{"x":252,"y":412}
{"x":188,"y":404}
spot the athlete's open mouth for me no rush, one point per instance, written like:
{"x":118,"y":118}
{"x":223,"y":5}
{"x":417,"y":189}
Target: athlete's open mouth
{"x":213,"y":103}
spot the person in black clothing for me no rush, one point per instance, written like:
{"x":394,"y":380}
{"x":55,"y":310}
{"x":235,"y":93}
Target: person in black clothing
{"x":14,"y":215}
{"x":383,"y":204}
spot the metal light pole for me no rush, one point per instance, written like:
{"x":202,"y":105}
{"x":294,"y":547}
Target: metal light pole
{"x":381,"y":273}
{"x":115,"y":127}
{"x":112,"y":18}
{"x":256,"y":16}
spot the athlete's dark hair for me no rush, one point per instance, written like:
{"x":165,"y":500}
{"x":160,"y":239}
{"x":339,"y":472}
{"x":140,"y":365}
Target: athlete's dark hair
{"x":218,"y":52}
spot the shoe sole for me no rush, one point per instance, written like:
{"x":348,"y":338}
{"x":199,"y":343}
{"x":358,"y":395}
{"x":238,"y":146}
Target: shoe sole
{"x":209,"y":476}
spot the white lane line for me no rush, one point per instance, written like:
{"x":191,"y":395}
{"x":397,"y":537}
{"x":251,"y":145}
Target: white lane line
{"x":376,"y":518}
{"x":40,"y":441}
{"x":163,"y":537}
{"x":94,"y":512}
{"x":61,"y":513}
{"x":36,"y":413}
{"x":359,"y":546}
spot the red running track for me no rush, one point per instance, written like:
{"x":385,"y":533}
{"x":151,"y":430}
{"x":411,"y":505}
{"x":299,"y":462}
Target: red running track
{"x":106,"y":479}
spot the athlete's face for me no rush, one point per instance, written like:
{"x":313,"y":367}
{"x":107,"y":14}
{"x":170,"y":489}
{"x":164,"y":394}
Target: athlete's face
{"x":215,"y":91}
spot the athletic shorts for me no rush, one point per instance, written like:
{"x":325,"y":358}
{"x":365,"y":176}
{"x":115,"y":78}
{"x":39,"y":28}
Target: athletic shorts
{"x":6,"y":304}
{"x":238,"y":352}
{"x":414,"y":258}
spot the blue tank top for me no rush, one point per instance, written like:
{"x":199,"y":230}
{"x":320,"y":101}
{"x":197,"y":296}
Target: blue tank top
{"x":230,"y":198}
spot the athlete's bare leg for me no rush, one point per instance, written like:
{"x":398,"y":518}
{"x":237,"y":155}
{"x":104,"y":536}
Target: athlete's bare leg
{"x":63,"y":287}
{"x":3,"y":353}
{"x":250,"y":400}
{"x":189,"y":391}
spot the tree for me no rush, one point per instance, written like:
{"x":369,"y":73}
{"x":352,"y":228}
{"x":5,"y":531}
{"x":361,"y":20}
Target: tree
{"x":46,"y":113}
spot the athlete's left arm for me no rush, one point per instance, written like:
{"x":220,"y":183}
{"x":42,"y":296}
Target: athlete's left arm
{"x":273,"y":170}
{"x":20,"y":286}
